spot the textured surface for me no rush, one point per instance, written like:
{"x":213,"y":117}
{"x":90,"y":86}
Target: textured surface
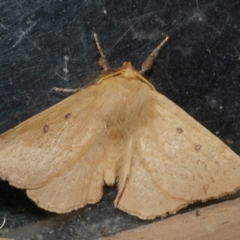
{"x":219,"y":221}
{"x":45,"y":44}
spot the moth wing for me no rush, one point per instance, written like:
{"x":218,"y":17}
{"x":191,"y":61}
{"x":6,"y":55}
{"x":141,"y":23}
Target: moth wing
{"x":175,"y":162}
{"x":36,"y":150}
{"x":78,"y":185}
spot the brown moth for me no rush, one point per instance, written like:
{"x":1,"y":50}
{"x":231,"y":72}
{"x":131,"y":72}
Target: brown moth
{"x":118,"y":130}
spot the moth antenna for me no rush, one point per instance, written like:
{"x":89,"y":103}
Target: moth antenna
{"x":147,"y":64}
{"x":103,"y":62}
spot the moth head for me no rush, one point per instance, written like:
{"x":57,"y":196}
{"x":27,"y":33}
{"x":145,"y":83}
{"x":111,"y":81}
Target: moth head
{"x":127,"y":70}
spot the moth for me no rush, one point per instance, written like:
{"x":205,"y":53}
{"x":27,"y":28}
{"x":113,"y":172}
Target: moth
{"x":118,"y":130}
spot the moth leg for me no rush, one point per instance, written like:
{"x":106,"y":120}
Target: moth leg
{"x":147,"y":64}
{"x":66,"y":90}
{"x":103,"y":60}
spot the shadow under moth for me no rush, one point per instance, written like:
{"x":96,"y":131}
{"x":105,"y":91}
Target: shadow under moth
{"x":118,"y":130}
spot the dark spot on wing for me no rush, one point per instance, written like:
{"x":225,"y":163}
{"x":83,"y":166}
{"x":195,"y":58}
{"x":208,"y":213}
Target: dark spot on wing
{"x":45,"y":128}
{"x":179,"y":130}
{"x":68,"y":115}
{"x":198,"y":147}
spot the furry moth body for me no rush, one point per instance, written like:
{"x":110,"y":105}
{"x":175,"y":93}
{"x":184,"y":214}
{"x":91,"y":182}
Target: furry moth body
{"x":118,"y":129}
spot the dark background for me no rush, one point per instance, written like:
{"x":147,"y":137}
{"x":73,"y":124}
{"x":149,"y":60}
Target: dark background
{"x":44,"y":44}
